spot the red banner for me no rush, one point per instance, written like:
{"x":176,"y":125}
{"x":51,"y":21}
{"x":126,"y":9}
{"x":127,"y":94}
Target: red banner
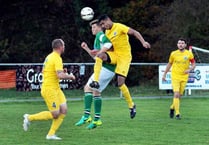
{"x":7,"y":79}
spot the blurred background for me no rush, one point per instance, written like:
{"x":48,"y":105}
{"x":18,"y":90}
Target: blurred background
{"x":28,"y":27}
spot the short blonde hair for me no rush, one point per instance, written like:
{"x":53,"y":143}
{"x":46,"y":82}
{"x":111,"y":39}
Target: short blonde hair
{"x":57,"y":43}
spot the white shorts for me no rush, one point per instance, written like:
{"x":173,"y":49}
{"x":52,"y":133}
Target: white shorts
{"x":104,"y":79}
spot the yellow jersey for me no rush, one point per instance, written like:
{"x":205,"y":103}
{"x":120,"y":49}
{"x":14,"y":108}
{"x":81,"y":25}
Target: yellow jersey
{"x":180,"y":63}
{"x":118,"y":35}
{"x":52,"y":64}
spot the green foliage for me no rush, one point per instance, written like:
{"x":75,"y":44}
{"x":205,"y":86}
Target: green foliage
{"x":28,"y":27}
{"x":140,"y":15}
{"x":140,"y":75}
{"x":187,"y":19}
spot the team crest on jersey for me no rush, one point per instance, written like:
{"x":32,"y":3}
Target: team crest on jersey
{"x":115,"y":33}
{"x":185,"y":58}
{"x":54,"y":105}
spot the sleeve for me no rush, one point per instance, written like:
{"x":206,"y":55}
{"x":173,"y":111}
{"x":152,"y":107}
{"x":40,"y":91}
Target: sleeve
{"x":105,"y":41}
{"x":171,"y":58}
{"x":58,"y":64}
{"x":97,"y":43}
{"x":123,"y":28}
{"x":191,"y":59}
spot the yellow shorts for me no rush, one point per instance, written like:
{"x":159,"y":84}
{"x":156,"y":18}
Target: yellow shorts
{"x":122,"y":63}
{"x":53,"y":98}
{"x":178,"y":86}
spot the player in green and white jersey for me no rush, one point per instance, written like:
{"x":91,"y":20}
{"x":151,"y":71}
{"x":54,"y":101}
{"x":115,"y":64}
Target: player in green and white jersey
{"x":101,"y":42}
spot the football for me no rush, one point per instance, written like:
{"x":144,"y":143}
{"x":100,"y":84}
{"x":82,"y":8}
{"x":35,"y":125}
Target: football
{"x":87,"y":13}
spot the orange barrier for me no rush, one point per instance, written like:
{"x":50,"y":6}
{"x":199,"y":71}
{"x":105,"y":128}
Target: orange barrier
{"x":7,"y":79}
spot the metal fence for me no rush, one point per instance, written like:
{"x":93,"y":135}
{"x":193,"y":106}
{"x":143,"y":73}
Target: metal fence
{"x":140,"y":74}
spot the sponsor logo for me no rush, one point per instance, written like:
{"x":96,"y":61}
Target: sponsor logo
{"x":185,"y":58}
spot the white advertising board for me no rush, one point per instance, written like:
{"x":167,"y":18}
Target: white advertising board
{"x":199,"y":79}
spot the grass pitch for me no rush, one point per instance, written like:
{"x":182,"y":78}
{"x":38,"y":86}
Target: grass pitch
{"x":152,"y":126}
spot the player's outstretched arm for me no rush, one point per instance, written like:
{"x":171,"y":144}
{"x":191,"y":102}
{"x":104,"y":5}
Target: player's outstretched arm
{"x":138,"y":36}
{"x":92,"y":53}
{"x":85,"y":47}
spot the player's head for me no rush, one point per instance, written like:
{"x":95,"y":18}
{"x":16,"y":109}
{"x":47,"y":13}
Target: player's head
{"x":95,"y":26}
{"x":58,"y":45}
{"x":105,"y":21}
{"x":181,"y":44}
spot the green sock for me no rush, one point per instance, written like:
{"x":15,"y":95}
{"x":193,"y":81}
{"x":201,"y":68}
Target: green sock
{"x":97,"y":107}
{"x":87,"y":103}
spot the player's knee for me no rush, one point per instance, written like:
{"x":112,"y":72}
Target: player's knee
{"x":87,"y":89}
{"x":119,"y":84}
{"x":55,"y":114}
{"x":102,"y":56}
{"x":177,"y":95}
{"x":96,"y":93}
{"x":63,"y":109}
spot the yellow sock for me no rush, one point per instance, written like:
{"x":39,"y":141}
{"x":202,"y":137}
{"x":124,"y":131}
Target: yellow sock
{"x":56,"y":124}
{"x":44,"y":115}
{"x":127,"y":95}
{"x":177,"y":105}
{"x":97,"y":68}
{"x":172,"y":105}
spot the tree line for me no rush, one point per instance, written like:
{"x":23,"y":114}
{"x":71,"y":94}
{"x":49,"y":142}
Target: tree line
{"x":28,"y":27}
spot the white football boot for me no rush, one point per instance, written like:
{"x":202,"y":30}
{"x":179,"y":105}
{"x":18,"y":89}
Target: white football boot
{"x":26,"y":122}
{"x":53,"y":137}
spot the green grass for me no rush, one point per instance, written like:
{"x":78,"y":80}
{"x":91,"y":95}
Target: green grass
{"x":110,"y":91}
{"x":152,"y":126}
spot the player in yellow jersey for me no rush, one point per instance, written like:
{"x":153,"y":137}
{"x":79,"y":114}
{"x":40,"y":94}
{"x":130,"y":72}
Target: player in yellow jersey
{"x":51,"y":92}
{"x":121,"y":56}
{"x":179,"y":62}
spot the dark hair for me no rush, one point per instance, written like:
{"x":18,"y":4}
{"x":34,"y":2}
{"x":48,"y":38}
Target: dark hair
{"x":96,"y":21}
{"x":56,"y":43}
{"x":103,"y":17}
{"x":182,"y":39}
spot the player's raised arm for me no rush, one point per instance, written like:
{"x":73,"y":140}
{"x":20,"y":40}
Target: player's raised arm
{"x":85,"y":47}
{"x":92,"y":53}
{"x":138,"y":36}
